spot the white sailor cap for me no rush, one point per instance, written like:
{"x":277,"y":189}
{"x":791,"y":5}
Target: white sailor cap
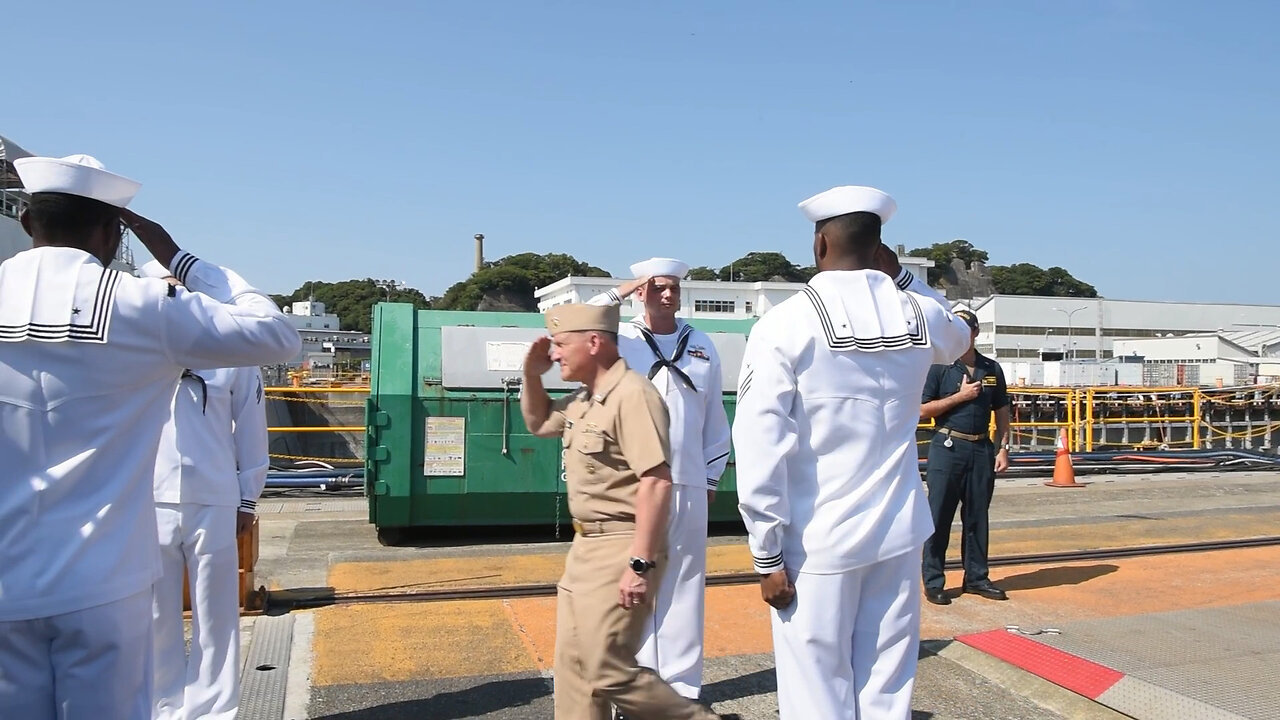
{"x":849,"y":199}
{"x":660,"y":267}
{"x":75,"y":175}
{"x":154,"y":269}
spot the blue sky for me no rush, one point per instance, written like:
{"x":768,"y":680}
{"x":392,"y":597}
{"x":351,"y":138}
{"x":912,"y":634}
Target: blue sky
{"x":1132,"y":142}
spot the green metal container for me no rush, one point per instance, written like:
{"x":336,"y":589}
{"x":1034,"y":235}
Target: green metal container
{"x":446,"y":444}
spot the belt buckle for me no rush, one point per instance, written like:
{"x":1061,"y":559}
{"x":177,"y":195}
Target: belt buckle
{"x":577,"y":527}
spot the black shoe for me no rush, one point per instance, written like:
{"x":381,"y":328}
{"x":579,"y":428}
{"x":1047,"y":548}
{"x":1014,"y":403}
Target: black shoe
{"x":987,"y":590}
{"x":937,"y":597}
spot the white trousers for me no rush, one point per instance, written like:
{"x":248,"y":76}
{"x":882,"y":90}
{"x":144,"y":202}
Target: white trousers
{"x":206,"y":685}
{"x":92,"y":664}
{"x":847,"y":648}
{"x":672,"y":643}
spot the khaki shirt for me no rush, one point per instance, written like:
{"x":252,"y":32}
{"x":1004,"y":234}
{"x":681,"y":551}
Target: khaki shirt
{"x":610,"y":439}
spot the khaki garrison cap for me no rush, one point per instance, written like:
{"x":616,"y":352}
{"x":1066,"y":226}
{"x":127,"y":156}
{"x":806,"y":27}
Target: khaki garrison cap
{"x":574,"y":317}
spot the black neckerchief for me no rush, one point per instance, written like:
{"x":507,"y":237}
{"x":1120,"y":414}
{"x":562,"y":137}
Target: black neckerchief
{"x":682,"y":344}
{"x":204,"y":390}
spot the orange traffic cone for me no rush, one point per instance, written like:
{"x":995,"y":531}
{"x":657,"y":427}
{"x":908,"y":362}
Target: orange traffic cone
{"x":1063,"y":474}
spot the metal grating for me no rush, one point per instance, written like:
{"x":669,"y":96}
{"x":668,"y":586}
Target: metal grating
{"x":1223,"y":657}
{"x":1146,"y":701}
{"x":262,"y":685}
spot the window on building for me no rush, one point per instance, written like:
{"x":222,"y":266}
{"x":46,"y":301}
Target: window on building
{"x":714,"y":306}
{"x":746,"y":307}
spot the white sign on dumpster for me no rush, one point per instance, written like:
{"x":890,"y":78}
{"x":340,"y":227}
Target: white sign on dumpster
{"x":446,"y":446}
{"x":505,"y":356}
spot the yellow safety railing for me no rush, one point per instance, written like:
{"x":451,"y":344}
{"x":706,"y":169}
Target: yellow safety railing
{"x":1133,"y":396}
{"x":1037,"y":414}
{"x":1019,"y":429}
{"x":323,"y":396}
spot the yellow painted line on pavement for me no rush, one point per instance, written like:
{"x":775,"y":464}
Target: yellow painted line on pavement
{"x":405,"y":641}
{"x":455,"y":572}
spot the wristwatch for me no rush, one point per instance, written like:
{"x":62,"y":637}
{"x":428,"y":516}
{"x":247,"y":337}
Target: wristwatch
{"x":641,"y":566}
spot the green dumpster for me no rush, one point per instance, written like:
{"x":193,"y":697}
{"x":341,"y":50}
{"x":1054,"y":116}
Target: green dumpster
{"x":445,"y":442}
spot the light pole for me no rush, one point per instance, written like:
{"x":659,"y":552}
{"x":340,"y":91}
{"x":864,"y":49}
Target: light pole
{"x":1069,"y":313}
{"x":388,"y":285}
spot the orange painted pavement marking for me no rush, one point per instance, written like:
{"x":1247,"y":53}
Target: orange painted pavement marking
{"x":498,"y":570}
{"x":737,"y":623}
{"x":1043,"y":596}
{"x":399,"y":641}
{"x":535,"y":620}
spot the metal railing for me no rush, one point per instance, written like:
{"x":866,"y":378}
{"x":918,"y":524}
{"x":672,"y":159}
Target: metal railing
{"x":1095,"y":418}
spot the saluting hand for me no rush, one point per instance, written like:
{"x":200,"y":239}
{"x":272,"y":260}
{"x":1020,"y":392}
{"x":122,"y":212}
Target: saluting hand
{"x":969,"y":390}
{"x":154,"y":237}
{"x":777,"y":590}
{"x":632,"y":590}
{"x":627,"y":288}
{"x":538,"y":360}
{"x":886,"y":261}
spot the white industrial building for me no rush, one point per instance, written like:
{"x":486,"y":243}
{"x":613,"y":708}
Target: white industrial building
{"x":710,"y":299}
{"x":1020,"y":327}
{"x":311,"y":315}
{"x":322,"y":339}
{"x":1232,"y":357}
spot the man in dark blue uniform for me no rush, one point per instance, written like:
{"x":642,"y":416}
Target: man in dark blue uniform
{"x":963,"y":463}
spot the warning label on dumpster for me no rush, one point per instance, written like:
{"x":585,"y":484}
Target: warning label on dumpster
{"x":446,"y":446}
{"x":505,"y":356}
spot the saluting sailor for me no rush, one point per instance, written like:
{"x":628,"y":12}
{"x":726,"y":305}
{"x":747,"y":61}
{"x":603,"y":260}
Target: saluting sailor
{"x":828,"y":476}
{"x":617,"y":466}
{"x":210,"y":469}
{"x":683,"y":365}
{"x":89,"y":358}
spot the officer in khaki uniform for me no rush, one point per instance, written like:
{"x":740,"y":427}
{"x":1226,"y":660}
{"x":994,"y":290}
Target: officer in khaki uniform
{"x":616,"y":459}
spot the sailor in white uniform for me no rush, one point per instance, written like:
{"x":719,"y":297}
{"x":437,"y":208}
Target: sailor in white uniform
{"x":828,"y":478}
{"x":89,"y":358}
{"x":210,"y":469}
{"x":682,"y":363}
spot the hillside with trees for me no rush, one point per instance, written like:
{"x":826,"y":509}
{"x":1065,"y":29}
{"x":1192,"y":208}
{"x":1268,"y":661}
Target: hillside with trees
{"x":508,"y":284}
{"x":958,"y":264}
{"x":352,"y":300}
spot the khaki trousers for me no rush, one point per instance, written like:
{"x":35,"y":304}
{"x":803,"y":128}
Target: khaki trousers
{"x":597,"y":640}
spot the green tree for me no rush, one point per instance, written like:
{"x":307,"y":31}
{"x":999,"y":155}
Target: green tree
{"x":1028,"y":279}
{"x":509,"y":283}
{"x":702,"y":272}
{"x":762,"y":266}
{"x":351,"y":300}
{"x":943,"y":253}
